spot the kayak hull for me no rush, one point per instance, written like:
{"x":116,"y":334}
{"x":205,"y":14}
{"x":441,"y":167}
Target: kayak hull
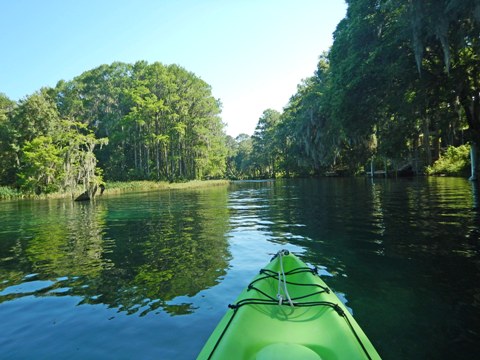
{"x":317,"y":326}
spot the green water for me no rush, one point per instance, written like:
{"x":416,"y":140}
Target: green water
{"x":148,"y":275}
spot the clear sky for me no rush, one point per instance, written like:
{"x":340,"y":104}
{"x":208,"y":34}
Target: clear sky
{"x":252,"y":52}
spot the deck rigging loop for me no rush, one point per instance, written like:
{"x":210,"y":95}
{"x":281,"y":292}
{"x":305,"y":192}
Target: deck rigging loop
{"x":282,"y":278}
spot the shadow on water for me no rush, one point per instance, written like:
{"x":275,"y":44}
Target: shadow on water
{"x":136,"y":253}
{"x":406,"y":253}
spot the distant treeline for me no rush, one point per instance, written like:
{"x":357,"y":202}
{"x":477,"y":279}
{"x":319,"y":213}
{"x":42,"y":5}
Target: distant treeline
{"x":399,"y":86}
{"x":119,"y":121}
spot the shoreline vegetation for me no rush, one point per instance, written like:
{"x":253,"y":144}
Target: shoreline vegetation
{"x":367,"y":109}
{"x":114,"y":188}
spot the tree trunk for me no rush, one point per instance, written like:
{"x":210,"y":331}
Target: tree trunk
{"x":135,"y":154}
{"x":436,"y":143}
{"x":471,"y":105}
{"x":426,"y":143}
{"x":157,"y":159}
{"x":140,"y":165}
{"x":165,"y":160}
{"x":147,"y":160}
{"x":415,"y":155}
{"x":474,"y":161}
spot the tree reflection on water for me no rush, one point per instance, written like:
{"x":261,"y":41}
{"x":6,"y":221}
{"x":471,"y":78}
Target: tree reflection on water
{"x":137,"y":253}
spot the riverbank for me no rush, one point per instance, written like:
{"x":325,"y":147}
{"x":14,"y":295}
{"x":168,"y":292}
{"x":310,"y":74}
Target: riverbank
{"x":119,"y":187}
{"x":7,"y":193}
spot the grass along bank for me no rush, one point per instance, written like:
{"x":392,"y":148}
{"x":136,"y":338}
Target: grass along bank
{"x":115,"y":188}
{"x":118,"y":187}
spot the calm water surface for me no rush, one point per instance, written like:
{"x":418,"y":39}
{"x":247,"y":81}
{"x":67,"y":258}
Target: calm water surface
{"x":148,"y":275}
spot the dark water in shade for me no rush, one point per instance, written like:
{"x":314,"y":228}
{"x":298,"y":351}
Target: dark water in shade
{"x":148,"y":275}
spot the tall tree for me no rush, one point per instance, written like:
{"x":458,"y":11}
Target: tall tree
{"x":316,"y":137}
{"x":162,"y":121}
{"x":7,"y":152}
{"x":450,"y":30}
{"x":265,"y":146}
{"x":244,"y":159}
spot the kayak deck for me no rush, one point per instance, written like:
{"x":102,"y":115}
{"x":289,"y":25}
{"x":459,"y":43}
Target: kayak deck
{"x":288,"y":312}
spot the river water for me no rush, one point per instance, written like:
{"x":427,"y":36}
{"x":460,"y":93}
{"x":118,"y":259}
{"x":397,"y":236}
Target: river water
{"x":148,"y":275}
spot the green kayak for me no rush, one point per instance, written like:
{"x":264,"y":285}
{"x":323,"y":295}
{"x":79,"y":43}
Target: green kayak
{"x":288,"y":312}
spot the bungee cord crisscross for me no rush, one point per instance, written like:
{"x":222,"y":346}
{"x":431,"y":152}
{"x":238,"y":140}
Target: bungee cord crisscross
{"x":283,"y":297}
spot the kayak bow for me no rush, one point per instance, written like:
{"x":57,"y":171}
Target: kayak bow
{"x":288,"y":312}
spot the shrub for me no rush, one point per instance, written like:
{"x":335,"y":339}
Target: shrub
{"x":7,"y":192}
{"x":454,"y":162}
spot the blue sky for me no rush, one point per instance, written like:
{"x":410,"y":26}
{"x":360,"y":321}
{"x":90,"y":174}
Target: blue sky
{"x":252,"y":52}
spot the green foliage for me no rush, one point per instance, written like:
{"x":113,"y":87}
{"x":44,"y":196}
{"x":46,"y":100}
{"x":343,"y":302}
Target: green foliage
{"x":141,"y":121}
{"x":399,"y":83}
{"x":42,"y":166}
{"x":77,"y":145}
{"x":455,"y":162}
{"x":44,"y":153}
{"x":162,"y":121}
{"x":35,"y":116}
{"x":240,"y":160}
{"x":8,"y":193}
{"x":265,"y":145}
{"x":7,"y":153}
{"x":309,"y":134}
